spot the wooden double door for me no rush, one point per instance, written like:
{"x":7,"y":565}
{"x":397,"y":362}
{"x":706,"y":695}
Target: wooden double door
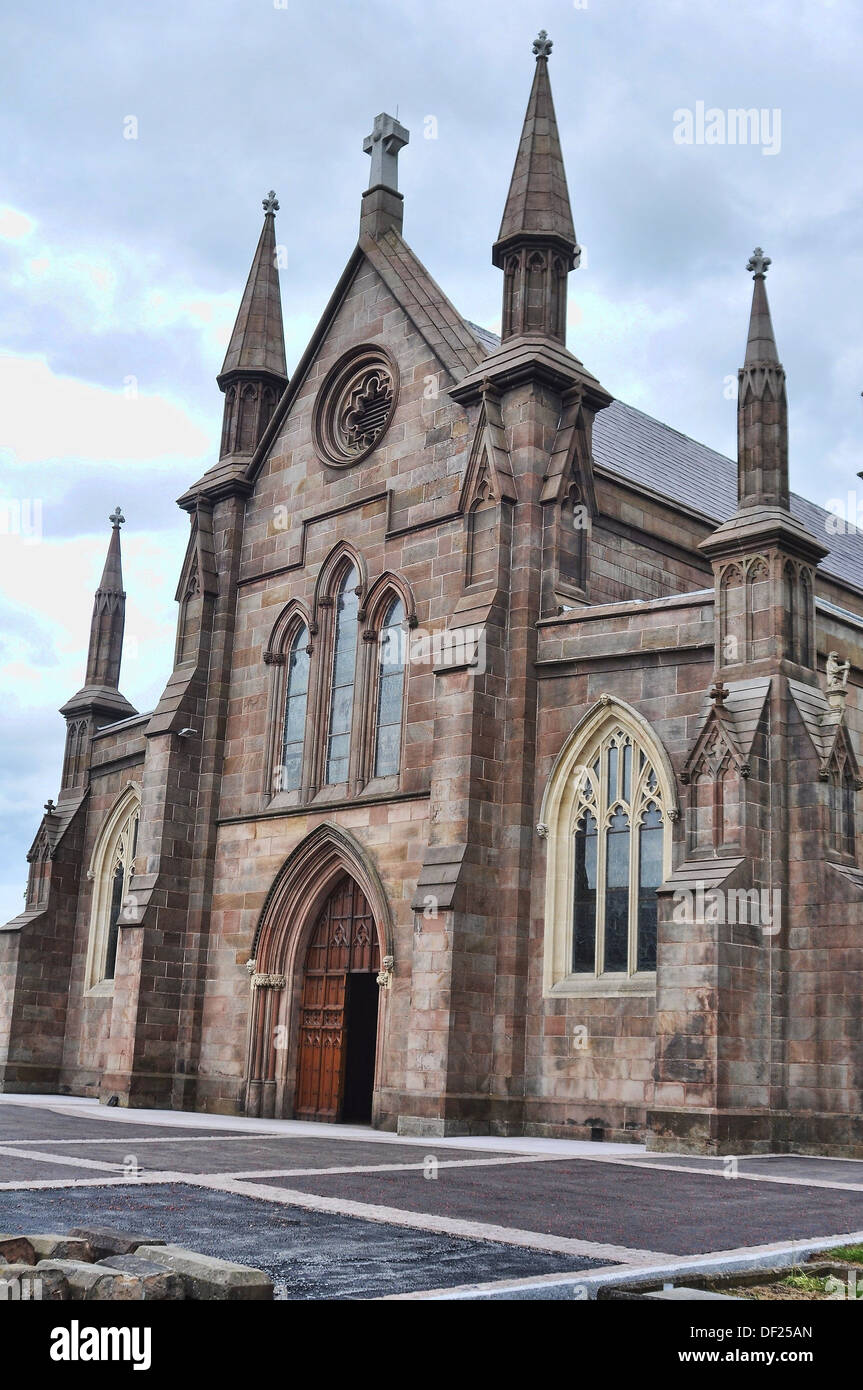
{"x":339,"y":1010}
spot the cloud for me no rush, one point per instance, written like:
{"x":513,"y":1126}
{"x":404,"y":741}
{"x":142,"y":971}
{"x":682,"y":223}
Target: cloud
{"x":14,"y":224}
{"x":57,"y":418}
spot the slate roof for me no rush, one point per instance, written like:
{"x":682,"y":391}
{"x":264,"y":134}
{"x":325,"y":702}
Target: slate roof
{"x":633,"y":446}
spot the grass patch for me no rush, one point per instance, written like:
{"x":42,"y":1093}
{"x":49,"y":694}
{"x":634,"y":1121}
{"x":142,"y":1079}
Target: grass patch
{"x":806,"y":1283}
{"x":851,"y":1254}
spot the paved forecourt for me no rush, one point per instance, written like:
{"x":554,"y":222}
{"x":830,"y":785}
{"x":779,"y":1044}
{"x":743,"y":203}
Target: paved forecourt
{"x":345,"y":1212}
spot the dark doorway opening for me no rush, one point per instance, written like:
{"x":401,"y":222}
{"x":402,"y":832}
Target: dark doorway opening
{"x":361,"y":1020}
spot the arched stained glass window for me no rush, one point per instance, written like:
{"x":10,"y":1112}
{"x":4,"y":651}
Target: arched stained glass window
{"x":294,"y":725}
{"x":618,"y":851}
{"x":344,"y":668}
{"x":390,"y":692}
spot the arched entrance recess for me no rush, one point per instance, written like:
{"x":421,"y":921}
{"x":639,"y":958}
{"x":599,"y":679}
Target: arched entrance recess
{"x":318,"y":1015}
{"x":339,"y":1010}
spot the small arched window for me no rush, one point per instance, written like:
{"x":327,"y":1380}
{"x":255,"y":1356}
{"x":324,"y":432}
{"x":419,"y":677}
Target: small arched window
{"x":343,"y":675}
{"x":535,"y":306}
{"x":111,"y":870}
{"x":294,"y":723}
{"x":843,"y":804}
{"x":390,"y":692}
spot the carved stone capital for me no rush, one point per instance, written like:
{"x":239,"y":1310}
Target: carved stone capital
{"x":268,"y":982}
{"x":274,"y":658}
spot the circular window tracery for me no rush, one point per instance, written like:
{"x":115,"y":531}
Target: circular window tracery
{"x":355,"y":406}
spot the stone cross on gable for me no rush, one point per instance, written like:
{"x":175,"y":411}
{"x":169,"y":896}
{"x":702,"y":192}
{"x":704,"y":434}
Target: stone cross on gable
{"x":271,"y":203}
{"x":116,"y":518}
{"x":542,"y":44}
{"x":719,"y":693}
{"x":758,"y":262}
{"x":384,"y":143}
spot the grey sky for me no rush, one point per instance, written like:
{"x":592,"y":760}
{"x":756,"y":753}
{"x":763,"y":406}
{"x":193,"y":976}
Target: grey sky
{"x":123,"y":260}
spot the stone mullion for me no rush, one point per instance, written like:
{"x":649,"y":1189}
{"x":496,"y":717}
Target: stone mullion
{"x":601,"y":857}
{"x":632,"y":903}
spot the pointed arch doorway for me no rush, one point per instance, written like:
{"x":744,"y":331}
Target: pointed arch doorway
{"x":339,"y":1010}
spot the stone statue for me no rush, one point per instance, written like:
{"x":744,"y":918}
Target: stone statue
{"x":837,"y":672}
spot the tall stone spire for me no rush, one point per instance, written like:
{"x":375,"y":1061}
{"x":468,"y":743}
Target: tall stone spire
{"x":536,"y":247}
{"x":254,"y":372}
{"x":762,"y":407}
{"x":109,"y":617}
{"x":99,"y":701}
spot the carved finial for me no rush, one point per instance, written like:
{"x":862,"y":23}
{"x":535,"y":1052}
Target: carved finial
{"x":116,"y":518}
{"x":542,"y":44}
{"x":271,"y":203}
{"x":758,"y":262}
{"x":719,"y":693}
{"x":49,"y":807}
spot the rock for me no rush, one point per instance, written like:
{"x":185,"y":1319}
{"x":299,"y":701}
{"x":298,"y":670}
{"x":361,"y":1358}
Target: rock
{"x":93,"y":1282}
{"x":209,"y":1278}
{"x":104,"y":1241}
{"x":54,"y":1247}
{"x":682,"y":1293}
{"x":157,"y":1282}
{"x":17,"y":1250}
{"x":21,"y":1283}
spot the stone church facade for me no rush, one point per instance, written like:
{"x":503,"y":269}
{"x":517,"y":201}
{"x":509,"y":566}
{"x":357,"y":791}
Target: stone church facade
{"x":506,"y":779}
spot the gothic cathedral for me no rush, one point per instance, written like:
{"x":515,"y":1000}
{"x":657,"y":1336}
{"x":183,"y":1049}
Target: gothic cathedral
{"x":506,"y":778}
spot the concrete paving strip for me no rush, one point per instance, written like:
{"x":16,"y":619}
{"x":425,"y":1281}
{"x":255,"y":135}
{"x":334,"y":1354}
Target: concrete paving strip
{"x":704,"y":1172}
{"x":160,"y":1139}
{"x":500,"y":1162}
{"x":37,"y":1156}
{"x":422,"y":1221}
{"x":123,"y":1180}
{"x":586,"y":1285}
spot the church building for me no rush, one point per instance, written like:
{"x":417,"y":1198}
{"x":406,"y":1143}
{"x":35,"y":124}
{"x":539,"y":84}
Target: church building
{"x":506,"y":779}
